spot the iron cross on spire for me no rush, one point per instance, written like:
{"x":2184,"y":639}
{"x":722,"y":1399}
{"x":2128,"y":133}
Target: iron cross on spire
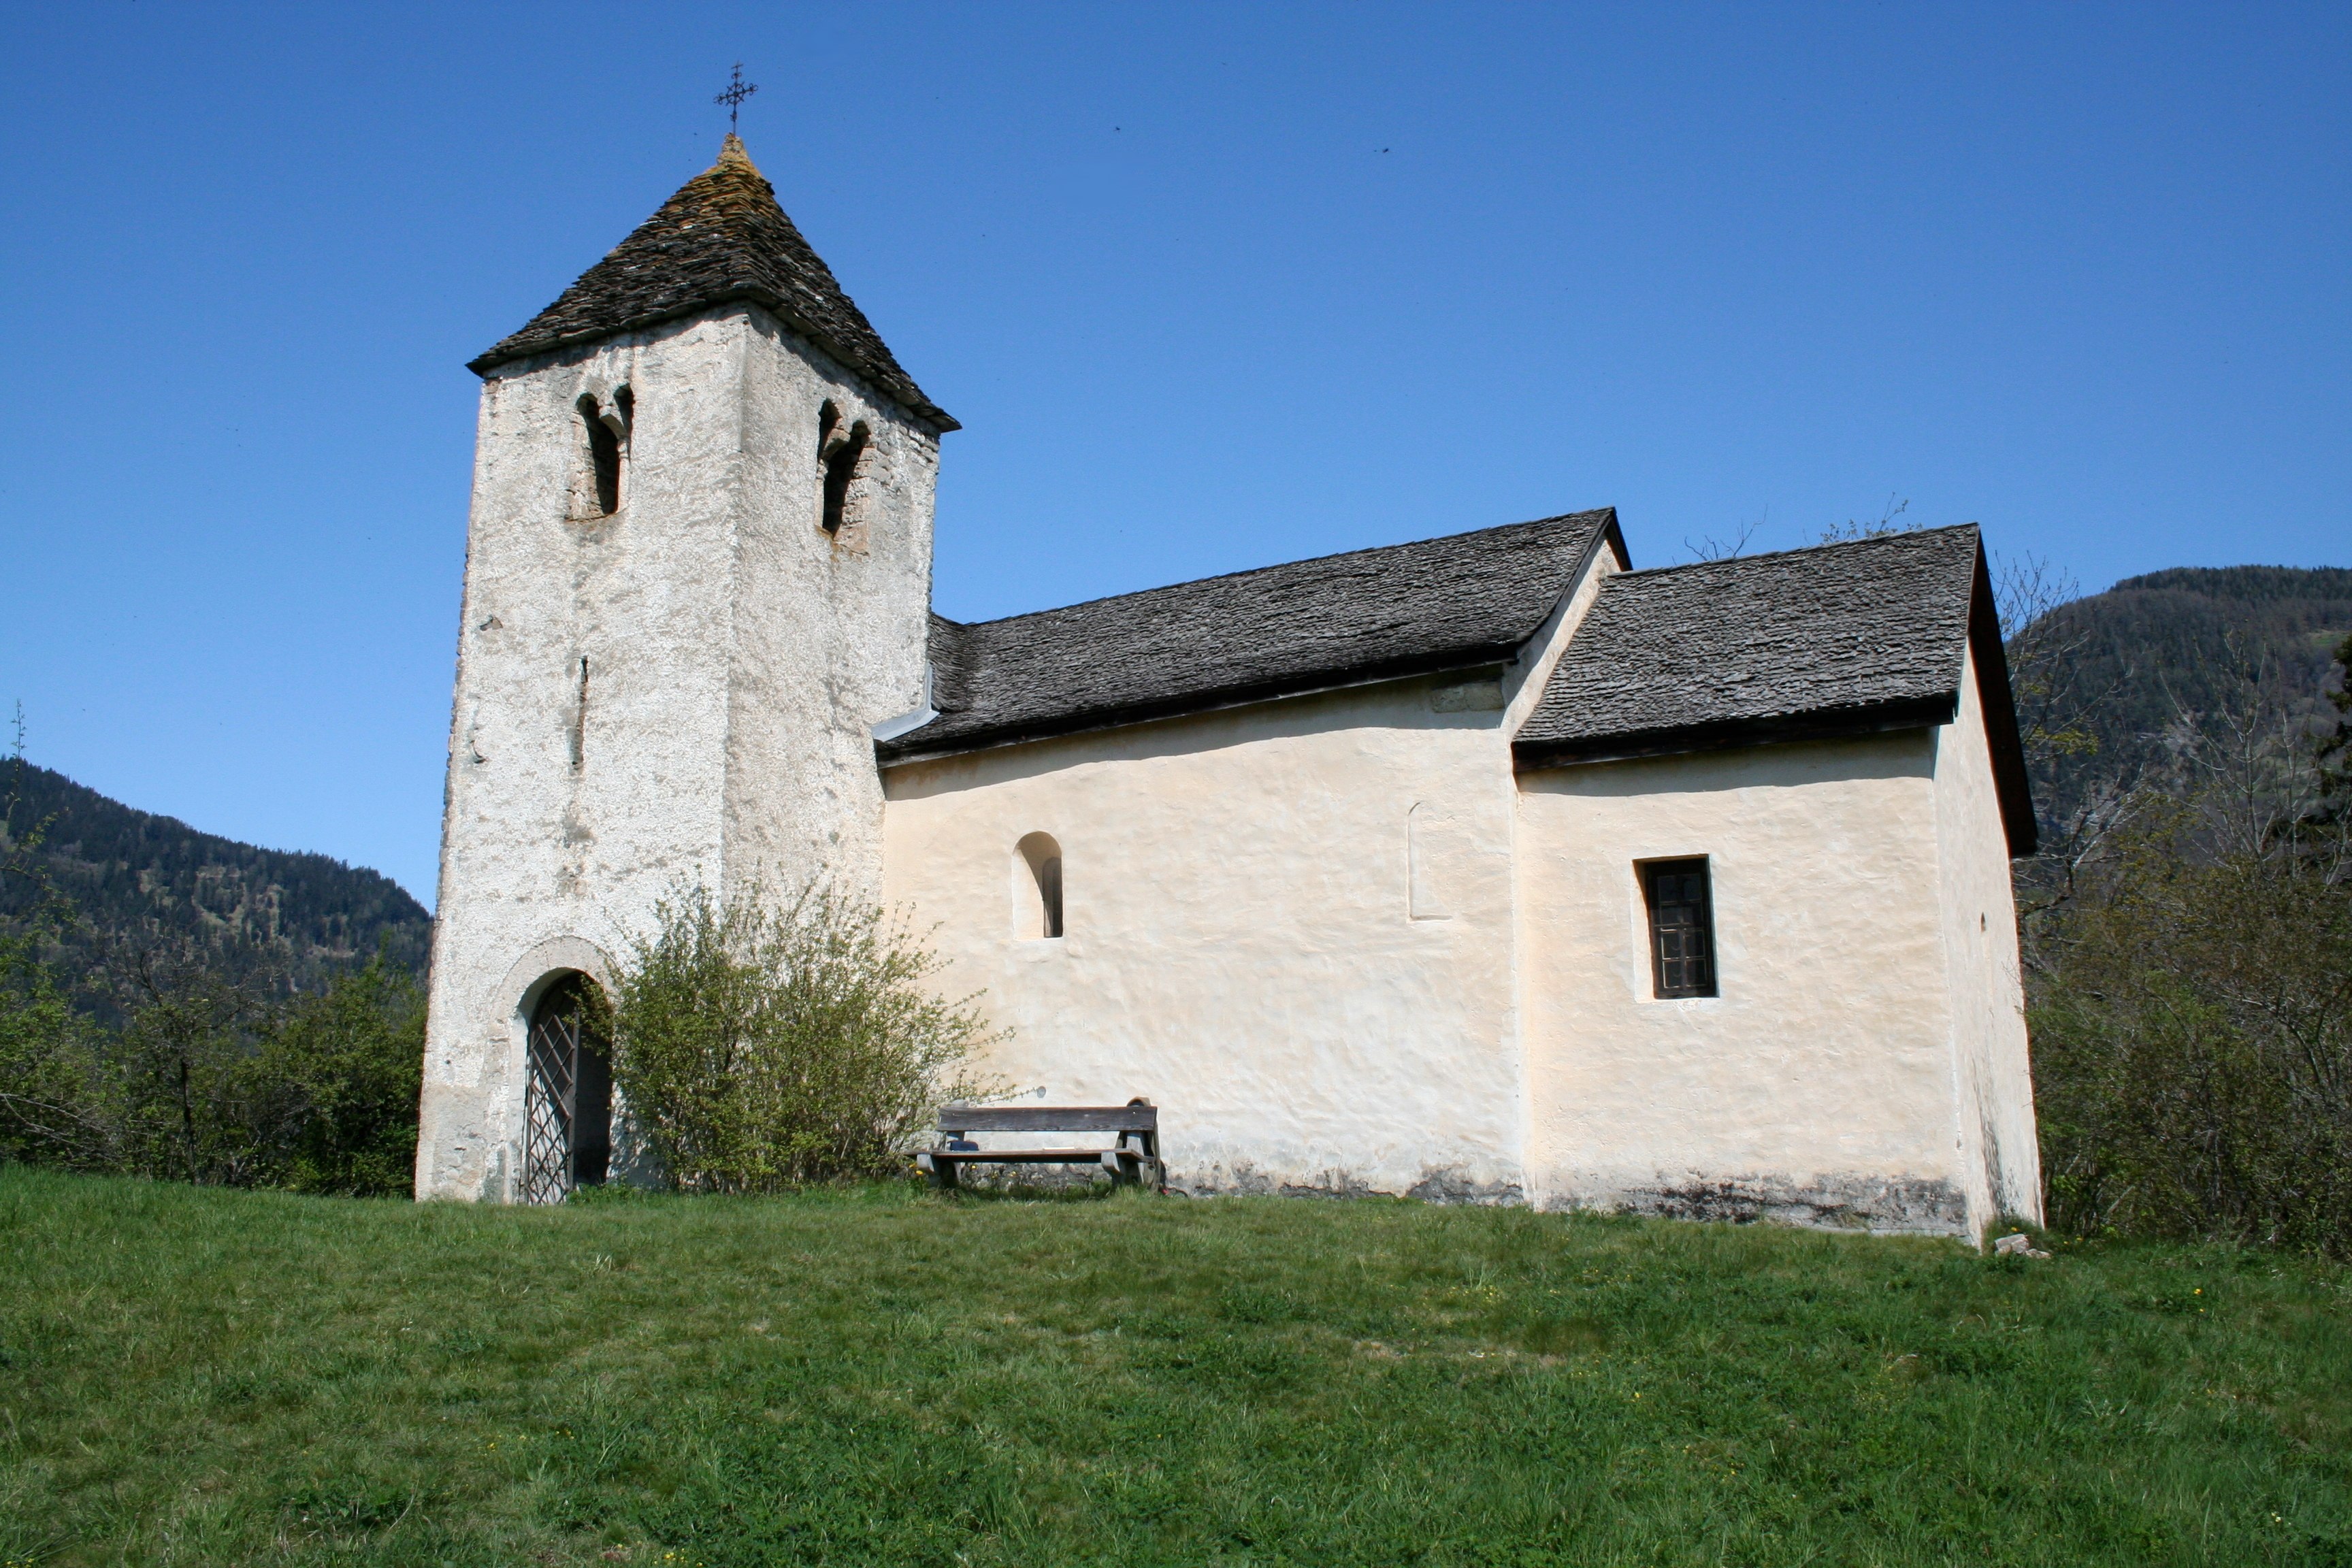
{"x":737,"y":91}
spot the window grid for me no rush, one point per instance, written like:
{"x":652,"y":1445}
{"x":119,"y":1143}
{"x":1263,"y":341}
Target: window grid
{"x":1682,"y":928}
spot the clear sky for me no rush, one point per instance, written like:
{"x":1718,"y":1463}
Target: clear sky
{"x":1209,"y":288}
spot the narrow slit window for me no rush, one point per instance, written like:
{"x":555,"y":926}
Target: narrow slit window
{"x":604,"y":449}
{"x":1049,"y":894}
{"x":1038,"y":913}
{"x":1682,"y":927}
{"x":580,"y":722}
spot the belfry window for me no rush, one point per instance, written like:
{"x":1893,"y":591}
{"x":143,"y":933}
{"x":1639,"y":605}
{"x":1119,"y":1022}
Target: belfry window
{"x":1682,"y":927}
{"x":608,"y":434}
{"x":838,"y":453}
{"x":1037,"y":907}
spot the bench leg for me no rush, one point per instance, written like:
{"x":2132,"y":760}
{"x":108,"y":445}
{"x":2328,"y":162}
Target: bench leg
{"x":1141,"y":1153}
{"x":942,"y":1173}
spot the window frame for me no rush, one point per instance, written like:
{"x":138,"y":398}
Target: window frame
{"x":1710,"y":982}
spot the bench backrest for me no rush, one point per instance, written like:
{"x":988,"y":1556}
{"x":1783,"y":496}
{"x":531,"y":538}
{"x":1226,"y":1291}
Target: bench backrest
{"x":962,"y":1119}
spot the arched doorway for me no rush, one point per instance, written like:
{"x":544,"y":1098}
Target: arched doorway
{"x":567,"y":1095}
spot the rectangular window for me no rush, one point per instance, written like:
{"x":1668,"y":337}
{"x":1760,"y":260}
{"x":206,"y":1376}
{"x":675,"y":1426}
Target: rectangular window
{"x":1682,"y":927}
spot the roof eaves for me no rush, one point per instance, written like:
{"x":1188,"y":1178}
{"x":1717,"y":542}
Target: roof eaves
{"x":913,"y":749}
{"x":1305,"y":684}
{"x":1997,"y":701}
{"x":1727,"y":734}
{"x":909,"y":398}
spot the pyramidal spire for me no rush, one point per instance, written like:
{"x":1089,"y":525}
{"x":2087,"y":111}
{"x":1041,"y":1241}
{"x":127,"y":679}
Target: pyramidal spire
{"x":722,"y":237}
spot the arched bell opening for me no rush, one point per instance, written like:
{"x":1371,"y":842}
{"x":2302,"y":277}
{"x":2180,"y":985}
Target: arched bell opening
{"x":567,"y":1093}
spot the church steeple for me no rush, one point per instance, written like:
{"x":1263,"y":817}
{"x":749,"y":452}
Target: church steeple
{"x":721,"y":237}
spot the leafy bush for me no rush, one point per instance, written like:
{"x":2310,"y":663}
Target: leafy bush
{"x":212,"y":1081}
{"x":758,"y":1047}
{"x":2193,"y":1048}
{"x":2188,"y":942}
{"x":184,"y":1105}
{"x":340,"y":1073}
{"x":53,"y":1107}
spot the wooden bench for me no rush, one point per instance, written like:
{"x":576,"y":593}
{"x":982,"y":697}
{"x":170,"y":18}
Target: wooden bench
{"x":1133,"y":1157}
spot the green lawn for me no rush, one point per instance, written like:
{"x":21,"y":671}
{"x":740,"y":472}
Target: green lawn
{"x":884,"y":1377}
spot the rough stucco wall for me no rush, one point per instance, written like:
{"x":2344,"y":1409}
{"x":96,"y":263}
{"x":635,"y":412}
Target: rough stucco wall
{"x":1818,"y":1086}
{"x":688,"y":603}
{"x":1978,"y":907}
{"x":829,"y":631}
{"x":1241,"y":946}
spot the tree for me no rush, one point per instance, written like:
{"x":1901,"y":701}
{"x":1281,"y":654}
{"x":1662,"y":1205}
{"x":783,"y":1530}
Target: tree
{"x":220,"y":1072}
{"x":54,"y":1105}
{"x":2191,"y":1002}
{"x":330,"y":1098}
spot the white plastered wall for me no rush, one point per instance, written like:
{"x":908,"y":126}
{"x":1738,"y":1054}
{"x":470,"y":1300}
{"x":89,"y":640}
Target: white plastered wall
{"x":1241,"y":944}
{"x":1289,"y":925}
{"x":1819,"y":1085}
{"x":736,"y":656}
{"x":829,"y":632}
{"x":1994,"y":1079}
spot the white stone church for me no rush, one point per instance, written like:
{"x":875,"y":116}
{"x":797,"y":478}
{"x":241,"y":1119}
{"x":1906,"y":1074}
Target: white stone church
{"x":1484,"y":868}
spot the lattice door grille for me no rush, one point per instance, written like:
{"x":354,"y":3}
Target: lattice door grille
{"x":549,"y":1101}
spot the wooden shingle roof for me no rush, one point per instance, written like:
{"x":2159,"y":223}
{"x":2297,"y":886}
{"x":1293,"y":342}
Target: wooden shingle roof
{"x":1459,"y":602}
{"x":722,"y":237}
{"x":1872,"y":633}
{"x":1839,"y":640}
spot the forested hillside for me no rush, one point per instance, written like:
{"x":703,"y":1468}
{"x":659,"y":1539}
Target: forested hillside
{"x":135,"y":878}
{"x":2158,"y":660}
{"x":2188,"y":931}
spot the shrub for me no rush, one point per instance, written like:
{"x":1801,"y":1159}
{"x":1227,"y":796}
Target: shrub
{"x":2192,"y":1035}
{"x":759,"y":1045}
{"x":53,"y":1106}
{"x":336,"y":1081}
{"x":186,"y":1108}
{"x":213,"y":1082}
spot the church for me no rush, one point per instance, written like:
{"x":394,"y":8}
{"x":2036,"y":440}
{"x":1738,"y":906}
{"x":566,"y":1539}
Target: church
{"x":1483,"y":868}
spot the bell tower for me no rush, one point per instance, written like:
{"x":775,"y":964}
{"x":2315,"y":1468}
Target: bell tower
{"x":698,"y":579}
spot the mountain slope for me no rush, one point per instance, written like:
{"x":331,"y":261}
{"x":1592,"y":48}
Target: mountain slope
{"x":135,"y":876}
{"x":2187,"y":643}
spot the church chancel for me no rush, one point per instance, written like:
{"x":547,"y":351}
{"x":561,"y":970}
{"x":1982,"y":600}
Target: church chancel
{"x":1482,"y":868}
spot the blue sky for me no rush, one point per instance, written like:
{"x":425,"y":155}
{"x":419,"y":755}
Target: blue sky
{"x":1209,"y":288}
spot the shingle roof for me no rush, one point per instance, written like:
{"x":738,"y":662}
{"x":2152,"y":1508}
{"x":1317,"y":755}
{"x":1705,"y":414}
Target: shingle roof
{"x":1871,"y":634}
{"x":721,"y":237}
{"x":1668,"y":656}
{"x":1402,"y":609}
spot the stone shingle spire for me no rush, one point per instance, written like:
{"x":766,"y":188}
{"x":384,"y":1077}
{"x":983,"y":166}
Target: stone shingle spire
{"x":721,"y":237}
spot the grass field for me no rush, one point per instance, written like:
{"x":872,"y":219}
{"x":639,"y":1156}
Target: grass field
{"x":885,"y":1377}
